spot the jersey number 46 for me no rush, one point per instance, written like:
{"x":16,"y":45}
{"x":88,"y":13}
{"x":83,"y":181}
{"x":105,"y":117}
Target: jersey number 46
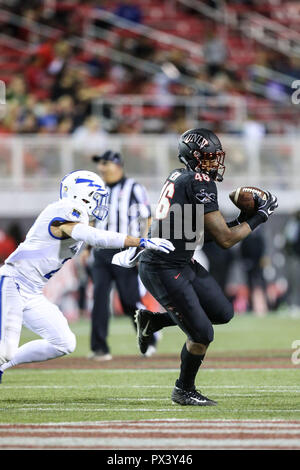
{"x":164,"y":202}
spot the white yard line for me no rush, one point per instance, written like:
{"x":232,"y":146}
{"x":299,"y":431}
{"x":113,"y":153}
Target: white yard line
{"x":175,"y":409}
{"x":142,"y":432}
{"x":157,"y":370}
{"x":193,"y":425}
{"x":179,"y":422}
{"x":260,"y":388}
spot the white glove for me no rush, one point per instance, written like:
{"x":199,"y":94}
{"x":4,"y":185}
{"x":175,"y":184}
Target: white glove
{"x":157,"y":244}
{"x":127,"y":258}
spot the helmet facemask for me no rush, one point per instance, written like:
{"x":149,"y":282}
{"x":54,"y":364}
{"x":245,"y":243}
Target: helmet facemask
{"x":211,"y":163}
{"x":101,"y":210}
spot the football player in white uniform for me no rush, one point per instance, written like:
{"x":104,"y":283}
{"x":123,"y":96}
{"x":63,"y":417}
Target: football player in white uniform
{"x":56,"y":236}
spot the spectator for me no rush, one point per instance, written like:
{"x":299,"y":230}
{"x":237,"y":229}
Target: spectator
{"x":252,"y":252}
{"x":65,"y":83}
{"x":62,"y":52}
{"x":220,"y":262}
{"x":65,"y":126}
{"x":45,"y":53}
{"x":28,"y":125}
{"x":48,"y":121}
{"x":47,"y":72}
{"x":17,"y":90}
{"x":129,"y":10}
{"x":89,"y":137}
{"x":253,"y":133}
{"x":292,"y":251}
{"x":96,"y":67}
{"x":143,"y":48}
{"x":36,"y":76}
{"x":215,"y":53}
{"x":66,"y":109}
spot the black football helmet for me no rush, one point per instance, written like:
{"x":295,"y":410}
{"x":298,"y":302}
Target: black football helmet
{"x":201,"y":151}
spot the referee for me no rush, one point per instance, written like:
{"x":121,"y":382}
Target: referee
{"x":129,"y":212}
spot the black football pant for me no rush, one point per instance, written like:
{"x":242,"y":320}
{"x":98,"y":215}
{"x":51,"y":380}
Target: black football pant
{"x":104,"y":274}
{"x":191,"y":296}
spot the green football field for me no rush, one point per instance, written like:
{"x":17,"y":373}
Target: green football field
{"x":248,"y":370}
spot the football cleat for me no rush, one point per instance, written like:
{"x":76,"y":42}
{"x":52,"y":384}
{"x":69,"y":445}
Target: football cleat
{"x":190,"y":397}
{"x":145,"y":332}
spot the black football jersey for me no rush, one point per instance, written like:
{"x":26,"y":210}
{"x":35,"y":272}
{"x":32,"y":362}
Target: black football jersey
{"x":185,"y":197}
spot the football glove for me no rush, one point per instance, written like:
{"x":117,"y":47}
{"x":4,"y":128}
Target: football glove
{"x":265,"y":207}
{"x":157,"y":244}
{"x":243,"y":217}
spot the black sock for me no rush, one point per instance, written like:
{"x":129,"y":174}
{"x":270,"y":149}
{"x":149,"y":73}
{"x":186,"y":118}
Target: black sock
{"x":190,"y":364}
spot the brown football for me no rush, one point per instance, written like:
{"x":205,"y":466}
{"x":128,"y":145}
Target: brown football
{"x":243,"y":198}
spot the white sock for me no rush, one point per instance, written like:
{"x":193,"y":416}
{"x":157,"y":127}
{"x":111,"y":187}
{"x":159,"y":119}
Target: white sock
{"x":34,"y":351}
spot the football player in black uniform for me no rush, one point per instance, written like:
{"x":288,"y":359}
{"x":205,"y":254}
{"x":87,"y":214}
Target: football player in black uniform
{"x":192,"y":298}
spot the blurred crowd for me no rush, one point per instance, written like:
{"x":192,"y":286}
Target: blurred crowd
{"x":54,"y":84}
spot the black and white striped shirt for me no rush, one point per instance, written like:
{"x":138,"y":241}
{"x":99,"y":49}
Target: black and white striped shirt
{"x":128,"y":208}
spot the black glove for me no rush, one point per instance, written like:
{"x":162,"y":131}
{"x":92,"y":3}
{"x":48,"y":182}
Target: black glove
{"x":243,"y":217}
{"x":265,"y":207}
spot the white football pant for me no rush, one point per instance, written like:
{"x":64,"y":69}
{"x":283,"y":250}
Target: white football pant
{"x":37,"y":314}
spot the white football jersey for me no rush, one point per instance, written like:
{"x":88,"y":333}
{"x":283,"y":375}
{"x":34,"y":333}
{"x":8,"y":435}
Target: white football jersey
{"x":42,"y":254}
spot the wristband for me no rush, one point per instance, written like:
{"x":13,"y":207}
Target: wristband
{"x":239,"y":220}
{"x":255,"y":221}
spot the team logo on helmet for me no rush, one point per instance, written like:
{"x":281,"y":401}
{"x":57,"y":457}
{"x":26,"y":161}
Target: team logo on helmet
{"x":196,"y":139}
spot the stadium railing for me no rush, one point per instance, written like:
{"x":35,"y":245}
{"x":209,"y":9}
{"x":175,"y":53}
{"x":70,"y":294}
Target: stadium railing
{"x":31,"y":167}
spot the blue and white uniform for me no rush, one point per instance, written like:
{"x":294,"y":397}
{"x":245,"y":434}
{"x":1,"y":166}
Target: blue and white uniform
{"x":83,"y":198}
{"x":42,"y":254}
{"x":24,"y":275}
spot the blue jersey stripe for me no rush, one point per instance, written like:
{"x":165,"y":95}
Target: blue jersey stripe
{"x":59,"y":219}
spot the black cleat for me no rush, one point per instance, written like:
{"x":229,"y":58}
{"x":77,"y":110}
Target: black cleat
{"x":190,"y":397}
{"x":145,"y":332}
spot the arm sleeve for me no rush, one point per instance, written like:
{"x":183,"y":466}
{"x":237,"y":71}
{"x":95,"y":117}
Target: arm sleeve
{"x":98,"y":238}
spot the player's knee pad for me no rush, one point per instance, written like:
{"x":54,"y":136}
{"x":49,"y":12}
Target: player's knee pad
{"x":200,"y":332}
{"x":71,"y":344}
{"x":228,"y":314}
{"x":204,"y":336}
{"x":67,"y":344}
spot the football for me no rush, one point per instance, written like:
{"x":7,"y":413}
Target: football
{"x":243,"y":198}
